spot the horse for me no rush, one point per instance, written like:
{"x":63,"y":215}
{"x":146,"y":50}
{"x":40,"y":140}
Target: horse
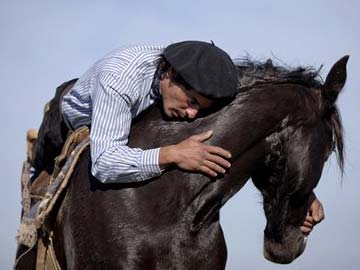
{"x":281,"y":128}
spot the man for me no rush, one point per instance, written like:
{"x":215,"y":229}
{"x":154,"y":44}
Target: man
{"x":188,"y":76}
{"x":124,"y":83}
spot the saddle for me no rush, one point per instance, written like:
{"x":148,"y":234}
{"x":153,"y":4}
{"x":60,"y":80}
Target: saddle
{"x":40,"y":196}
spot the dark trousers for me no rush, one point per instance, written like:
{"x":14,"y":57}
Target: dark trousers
{"x":52,"y":133}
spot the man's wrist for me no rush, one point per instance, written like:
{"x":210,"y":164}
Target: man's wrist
{"x":166,"y":156}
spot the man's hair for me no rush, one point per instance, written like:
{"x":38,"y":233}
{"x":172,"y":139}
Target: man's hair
{"x":164,"y":66}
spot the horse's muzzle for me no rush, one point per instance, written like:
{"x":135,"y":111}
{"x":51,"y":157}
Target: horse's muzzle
{"x":284,"y":252}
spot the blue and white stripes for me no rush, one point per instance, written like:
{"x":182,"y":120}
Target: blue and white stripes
{"x":108,"y":96}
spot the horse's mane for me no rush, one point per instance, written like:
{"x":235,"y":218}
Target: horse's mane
{"x":252,"y":73}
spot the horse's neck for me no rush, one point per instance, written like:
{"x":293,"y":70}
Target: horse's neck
{"x":253,"y":116}
{"x":243,"y":128}
{"x":240,"y":127}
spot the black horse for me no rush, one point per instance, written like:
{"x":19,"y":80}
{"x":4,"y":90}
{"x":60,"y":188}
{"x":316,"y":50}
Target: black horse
{"x":280,"y":129}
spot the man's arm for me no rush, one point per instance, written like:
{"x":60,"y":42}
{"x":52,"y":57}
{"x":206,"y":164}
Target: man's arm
{"x":112,"y":160}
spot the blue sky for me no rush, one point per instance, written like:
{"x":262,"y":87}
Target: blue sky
{"x":44,"y":43}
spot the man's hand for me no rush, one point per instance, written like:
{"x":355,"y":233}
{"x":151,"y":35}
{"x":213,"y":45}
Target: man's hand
{"x":193,"y":155}
{"x":315,"y":215}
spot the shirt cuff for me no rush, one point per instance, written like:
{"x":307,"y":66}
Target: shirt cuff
{"x":149,"y":165}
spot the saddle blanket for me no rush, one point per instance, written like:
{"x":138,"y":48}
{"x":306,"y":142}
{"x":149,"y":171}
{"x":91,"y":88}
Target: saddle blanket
{"x":37,"y":206}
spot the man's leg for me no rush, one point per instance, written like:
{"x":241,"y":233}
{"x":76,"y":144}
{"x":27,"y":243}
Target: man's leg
{"x":52,"y":133}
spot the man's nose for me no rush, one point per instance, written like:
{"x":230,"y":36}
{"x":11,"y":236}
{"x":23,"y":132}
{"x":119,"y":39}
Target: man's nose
{"x":191,"y":113}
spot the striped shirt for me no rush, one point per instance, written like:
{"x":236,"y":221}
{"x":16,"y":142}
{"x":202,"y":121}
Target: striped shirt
{"x":108,"y":96}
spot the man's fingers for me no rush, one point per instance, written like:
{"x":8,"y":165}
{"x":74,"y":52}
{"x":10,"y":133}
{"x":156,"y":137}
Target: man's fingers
{"x":218,"y":151}
{"x":207,"y":171}
{"x":309,"y":218}
{"x":202,"y":136}
{"x":215,"y":150}
{"x":212,"y":169}
{"x":307,"y":224}
{"x":320,"y":215}
{"x":201,"y":157}
{"x":305,"y":230}
{"x":219,"y":160}
{"x":213,"y":166}
{"x":317,"y":211}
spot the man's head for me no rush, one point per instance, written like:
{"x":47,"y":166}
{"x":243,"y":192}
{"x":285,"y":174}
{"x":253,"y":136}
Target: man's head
{"x":197,"y":75}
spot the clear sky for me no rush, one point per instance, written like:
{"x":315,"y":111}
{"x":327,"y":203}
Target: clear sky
{"x":44,"y":43}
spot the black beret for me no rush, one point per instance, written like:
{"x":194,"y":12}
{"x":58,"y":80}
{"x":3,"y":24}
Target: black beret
{"x":206,"y":68}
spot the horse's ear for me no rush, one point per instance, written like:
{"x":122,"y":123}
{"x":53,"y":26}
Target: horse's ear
{"x":335,"y":80}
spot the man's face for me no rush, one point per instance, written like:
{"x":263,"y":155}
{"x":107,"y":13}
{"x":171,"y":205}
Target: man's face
{"x":181,"y":103}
